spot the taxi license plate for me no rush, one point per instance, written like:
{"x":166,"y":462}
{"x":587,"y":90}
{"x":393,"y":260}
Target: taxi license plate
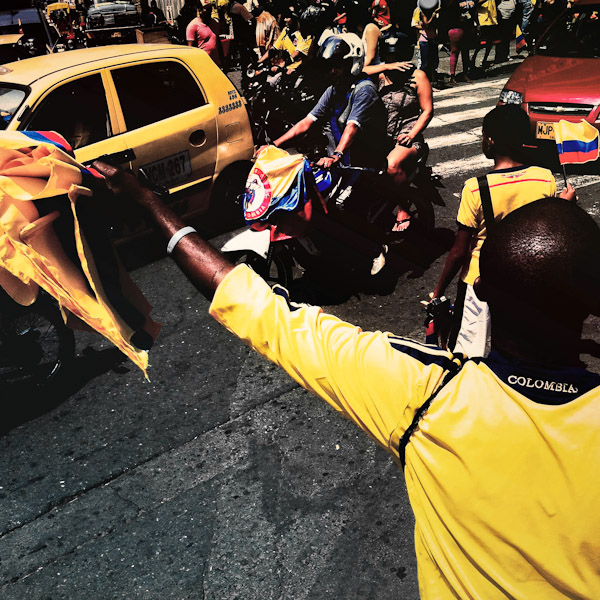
{"x":169,"y":171}
{"x":544,"y":130}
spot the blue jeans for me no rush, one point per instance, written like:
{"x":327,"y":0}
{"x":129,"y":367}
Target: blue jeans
{"x":527,"y":7}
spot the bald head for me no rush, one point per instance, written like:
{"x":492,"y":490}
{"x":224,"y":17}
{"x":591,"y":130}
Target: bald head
{"x":543,"y":258}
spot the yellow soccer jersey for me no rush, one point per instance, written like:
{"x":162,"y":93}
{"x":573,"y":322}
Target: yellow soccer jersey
{"x":292,"y":42}
{"x":510,"y":189}
{"x":486,"y":13}
{"x":501,"y":469}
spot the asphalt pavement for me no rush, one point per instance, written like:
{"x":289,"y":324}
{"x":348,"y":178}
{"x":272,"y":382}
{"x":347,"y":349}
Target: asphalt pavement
{"x":219,"y":478}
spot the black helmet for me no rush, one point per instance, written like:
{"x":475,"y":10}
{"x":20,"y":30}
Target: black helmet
{"x":310,"y":20}
{"x":344,"y":49}
{"x":396,"y":47}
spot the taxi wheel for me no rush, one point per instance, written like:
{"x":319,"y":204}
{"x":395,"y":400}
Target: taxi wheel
{"x":227,"y":193}
{"x":36,"y":347}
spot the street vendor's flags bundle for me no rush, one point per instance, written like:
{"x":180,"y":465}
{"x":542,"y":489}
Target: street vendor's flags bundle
{"x":576,"y":143}
{"x":52,"y":236}
{"x":520,"y":42}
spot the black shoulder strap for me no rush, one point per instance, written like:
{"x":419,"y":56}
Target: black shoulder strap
{"x":486,"y":202}
{"x":403,"y":443}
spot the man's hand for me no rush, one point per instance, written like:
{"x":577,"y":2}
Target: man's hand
{"x":259,"y":150}
{"x":399,"y":66}
{"x":568,"y":193}
{"x":404,"y":139}
{"x":328,"y":161}
{"x":122,"y":182}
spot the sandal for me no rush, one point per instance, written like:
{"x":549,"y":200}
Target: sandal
{"x":401,"y":225}
{"x":402,"y":221}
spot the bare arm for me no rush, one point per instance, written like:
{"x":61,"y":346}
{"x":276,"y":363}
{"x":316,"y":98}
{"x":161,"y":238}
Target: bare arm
{"x":298,"y":129}
{"x":383,"y":67}
{"x":425,"y":96}
{"x":345,"y":142}
{"x":204,"y":266}
{"x":455,"y":260}
{"x":372,"y":34}
{"x":239,"y":9}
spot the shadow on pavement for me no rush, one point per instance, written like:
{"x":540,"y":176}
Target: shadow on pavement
{"x":347,"y":275}
{"x":23,"y":403}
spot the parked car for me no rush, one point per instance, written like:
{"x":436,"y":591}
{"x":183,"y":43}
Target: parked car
{"x":561,"y":80}
{"x":110,"y":22}
{"x":181,"y":116}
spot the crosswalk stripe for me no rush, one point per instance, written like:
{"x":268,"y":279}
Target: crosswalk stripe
{"x":473,"y":136}
{"x":459,"y":117}
{"x":470,"y":165}
{"x":459,"y":102}
{"x":495,"y":84}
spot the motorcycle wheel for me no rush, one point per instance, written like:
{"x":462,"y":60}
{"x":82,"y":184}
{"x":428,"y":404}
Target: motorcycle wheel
{"x":275,"y":269}
{"x":35,"y":345}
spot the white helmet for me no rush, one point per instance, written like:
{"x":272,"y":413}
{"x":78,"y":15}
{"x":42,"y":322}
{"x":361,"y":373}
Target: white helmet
{"x":346,"y":47}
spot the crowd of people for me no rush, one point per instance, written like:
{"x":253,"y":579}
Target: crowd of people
{"x":294,"y":28}
{"x":378,"y":105}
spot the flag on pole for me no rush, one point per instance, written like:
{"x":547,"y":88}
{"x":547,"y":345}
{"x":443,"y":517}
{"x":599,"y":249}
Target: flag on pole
{"x":577,"y":143}
{"x":520,"y":42}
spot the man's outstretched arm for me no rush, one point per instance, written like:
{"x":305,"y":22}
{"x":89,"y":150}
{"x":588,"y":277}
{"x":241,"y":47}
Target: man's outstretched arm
{"x":366,"y":376}
{"x":204,"y":266}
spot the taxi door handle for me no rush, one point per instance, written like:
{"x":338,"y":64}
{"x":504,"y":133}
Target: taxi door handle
{"x":117,"y":158}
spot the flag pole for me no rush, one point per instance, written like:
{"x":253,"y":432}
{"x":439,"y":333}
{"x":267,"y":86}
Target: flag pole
{"x":564,"y":172}
{"x":562,"y":164}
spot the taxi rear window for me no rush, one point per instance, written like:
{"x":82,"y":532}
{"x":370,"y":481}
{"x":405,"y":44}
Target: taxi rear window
{"x":155,"y":91}
{"x":10,"y":100}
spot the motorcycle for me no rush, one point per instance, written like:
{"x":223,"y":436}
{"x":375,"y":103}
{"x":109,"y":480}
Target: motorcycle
{"x":36,"y":347}
{"x":347,"y":213}
{"x":266,"y":90}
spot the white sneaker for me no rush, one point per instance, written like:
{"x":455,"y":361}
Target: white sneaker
{"x":379,"y":261}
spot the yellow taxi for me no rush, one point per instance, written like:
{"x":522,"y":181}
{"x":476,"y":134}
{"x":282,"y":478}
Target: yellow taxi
{"x":183,"y":118}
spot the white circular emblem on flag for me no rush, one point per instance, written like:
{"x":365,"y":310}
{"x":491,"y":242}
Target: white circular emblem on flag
{"x":257,"y":198}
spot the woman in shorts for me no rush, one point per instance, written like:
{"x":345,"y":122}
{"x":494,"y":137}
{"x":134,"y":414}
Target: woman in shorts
{"x":408,"y":98}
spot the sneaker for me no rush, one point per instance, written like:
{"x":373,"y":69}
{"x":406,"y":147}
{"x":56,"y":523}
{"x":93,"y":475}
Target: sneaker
{"x":379,"y":261}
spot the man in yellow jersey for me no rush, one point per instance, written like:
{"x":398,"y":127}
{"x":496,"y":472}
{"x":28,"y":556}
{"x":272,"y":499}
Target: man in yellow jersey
{"x":500,"y":460}
{"x":510,"y":184}
{"x":294,"y":40}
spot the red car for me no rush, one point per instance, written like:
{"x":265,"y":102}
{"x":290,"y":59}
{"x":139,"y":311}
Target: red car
{"x":562,"y":79}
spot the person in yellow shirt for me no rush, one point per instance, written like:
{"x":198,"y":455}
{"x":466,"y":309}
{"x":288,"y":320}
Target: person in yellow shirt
{"x":497,"y":455}
{"x":487,"y":28}
{"x":511,"y":184}
{"x":293,"y":41}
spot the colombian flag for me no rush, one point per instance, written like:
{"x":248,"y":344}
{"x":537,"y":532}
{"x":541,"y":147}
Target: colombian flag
{"x":520,"y":42}
{"x":577,"y":143}
{"x":283,"y":183}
